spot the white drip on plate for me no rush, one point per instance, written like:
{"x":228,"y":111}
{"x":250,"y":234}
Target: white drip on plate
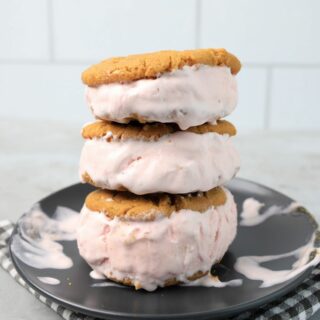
{"x":49,"y":280}
{"x":212,"y":281}
{"x":96,"y":275}
{"x":36,"y":243}
{"x":250,"y":266}
{"x":251,"y":216}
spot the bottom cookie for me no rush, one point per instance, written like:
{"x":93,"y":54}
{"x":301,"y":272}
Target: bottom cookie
{"x":156,"y":249}
{"x":168,"y":283}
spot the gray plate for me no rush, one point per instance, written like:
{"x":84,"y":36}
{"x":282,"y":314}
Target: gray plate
{"x":276,"y":235}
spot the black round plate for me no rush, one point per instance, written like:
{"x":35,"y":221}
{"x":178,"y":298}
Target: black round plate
{"x":278,"y":234}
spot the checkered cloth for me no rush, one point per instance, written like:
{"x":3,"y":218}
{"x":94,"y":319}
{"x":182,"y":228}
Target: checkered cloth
{"x":299,"y":304}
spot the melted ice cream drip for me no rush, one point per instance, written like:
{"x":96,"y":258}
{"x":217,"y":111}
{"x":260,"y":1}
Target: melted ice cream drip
{"x":37,"y":245}
{"x":251,"y":216}
{"x":108,"y":284}
{"x":206,"y":281}
{"x":213,"y":281}
{"x":250,"y":266}
{"x":96,"y":275}
{"x":49,"y":280}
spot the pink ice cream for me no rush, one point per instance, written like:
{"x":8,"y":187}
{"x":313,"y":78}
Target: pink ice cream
{"x":189,"y":97}
{"x":151,"y":252}
{"x":181,"y":162}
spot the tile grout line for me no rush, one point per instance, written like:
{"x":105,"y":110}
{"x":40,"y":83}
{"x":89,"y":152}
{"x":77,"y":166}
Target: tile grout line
{"x":267,"y":106}
{"x":50,"y":30}
{"x":44,"y":62}
{"x":197,"y":23}
{"x":282,"y":65}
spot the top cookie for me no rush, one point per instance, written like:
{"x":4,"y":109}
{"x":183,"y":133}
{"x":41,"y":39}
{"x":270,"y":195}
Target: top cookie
{"x":150,"y":65}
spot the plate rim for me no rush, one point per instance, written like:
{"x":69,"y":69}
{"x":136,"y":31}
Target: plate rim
{"x":227,"y":311}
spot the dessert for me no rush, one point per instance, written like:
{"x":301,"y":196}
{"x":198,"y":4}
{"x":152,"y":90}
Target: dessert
{"x":159,"y":153}
{"x":115,"y":155}
{"x":128,"y":238}
{"x":187,"y":87}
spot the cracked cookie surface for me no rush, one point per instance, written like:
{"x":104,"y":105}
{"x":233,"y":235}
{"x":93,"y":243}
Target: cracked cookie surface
{"x":152,"y":131}
{"x":151,"y":65}
{"x":128,"y":206}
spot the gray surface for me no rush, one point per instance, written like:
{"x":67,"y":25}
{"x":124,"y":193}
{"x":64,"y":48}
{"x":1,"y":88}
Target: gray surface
{"x":39,"y":158}
{"x":316,"y":316}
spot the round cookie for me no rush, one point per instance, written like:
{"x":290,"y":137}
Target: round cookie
{"x":158,"y":157}
{"x":128,"y":206}
{"x":151,"y":65}
{"x":168,"y":283}
{"x":157,"y":240}
{"x":152,"y":131}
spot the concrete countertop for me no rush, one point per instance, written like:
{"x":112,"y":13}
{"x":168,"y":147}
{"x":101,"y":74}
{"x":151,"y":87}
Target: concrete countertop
{"x":40,"y":157}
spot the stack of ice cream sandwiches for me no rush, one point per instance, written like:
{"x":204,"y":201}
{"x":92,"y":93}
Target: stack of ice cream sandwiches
{"x":159,"y":154}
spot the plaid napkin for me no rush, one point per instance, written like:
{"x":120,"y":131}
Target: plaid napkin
{"x":299,"y":304}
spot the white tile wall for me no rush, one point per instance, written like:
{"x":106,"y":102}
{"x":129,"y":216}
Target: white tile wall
{"x":295,"y":100}
{"x":250,"y":112}
{"x":264,"y":31}
{"x":48,"y":92}
{"x":45,"y":44}
{"x":97,"y":29}
{"x":24,"y":30}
